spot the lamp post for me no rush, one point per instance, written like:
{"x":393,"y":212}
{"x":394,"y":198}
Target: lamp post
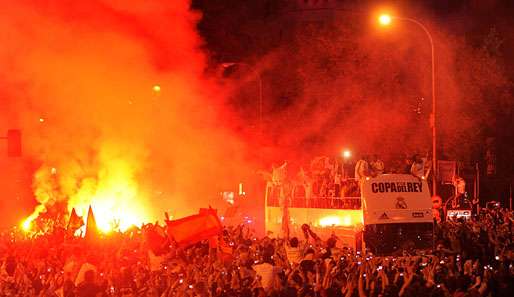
{"x":229,"y":64}
{"x":385,"y":20}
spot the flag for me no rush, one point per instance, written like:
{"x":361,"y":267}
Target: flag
{"x":195,"y":228}
{"x":91,"y":228}
{"x":74,"y":223}
{"x":206,"y":211}
{"x":231,"y":212}
{"x":213,"y":242}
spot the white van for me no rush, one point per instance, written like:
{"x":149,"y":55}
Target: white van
{"x":397,"y":214}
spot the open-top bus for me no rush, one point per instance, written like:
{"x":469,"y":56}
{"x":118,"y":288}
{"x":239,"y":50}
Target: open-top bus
{"x":385,"y":214}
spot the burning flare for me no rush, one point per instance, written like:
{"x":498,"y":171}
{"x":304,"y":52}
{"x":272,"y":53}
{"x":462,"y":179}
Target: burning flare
{"x":112,"y":191}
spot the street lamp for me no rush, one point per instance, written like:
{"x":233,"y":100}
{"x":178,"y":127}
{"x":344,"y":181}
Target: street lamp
{"x":385,"y":20}
{"x":346,"y":154}
{"x":230,"y":64}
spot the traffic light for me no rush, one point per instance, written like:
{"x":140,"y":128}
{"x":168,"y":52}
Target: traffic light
{"x":13,"y":143}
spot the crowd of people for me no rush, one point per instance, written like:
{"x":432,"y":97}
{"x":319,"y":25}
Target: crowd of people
{"x":470,"y":258}
{"x":337,"y":178}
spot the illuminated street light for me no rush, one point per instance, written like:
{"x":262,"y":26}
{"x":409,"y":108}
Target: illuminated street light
{"x":385,"y":20}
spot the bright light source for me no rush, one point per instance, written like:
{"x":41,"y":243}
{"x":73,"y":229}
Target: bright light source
{"x":228,"y":197}
{"x":346,"y":154}
{"x":329,"y":221}
{"x":384,"y":19}
{"x":156,"y":88}
{"x":41,"y":120}
{"x":26,"y":225}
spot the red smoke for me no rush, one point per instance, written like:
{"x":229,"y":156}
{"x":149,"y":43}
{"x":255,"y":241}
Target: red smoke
{"x":80,"y":80}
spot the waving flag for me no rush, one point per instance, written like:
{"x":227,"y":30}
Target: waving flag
{"x":195,"y":228}
{"x":91,"y":227}
{"x":74,"y":223}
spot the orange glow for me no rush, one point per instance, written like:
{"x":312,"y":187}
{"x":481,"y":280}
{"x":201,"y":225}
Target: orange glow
{"x":345,"y":221}
{"x":114,"y":194}
{"x":384,"y":19}
{"x":26,"y":224}
{"x":113,"y":147}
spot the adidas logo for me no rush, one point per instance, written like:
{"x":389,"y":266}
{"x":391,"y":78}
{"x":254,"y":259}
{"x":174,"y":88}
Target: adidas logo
{"x":383,"y":217}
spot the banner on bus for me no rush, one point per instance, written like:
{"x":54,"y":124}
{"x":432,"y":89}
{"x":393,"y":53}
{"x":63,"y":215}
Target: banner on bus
{"x":396,"y":198}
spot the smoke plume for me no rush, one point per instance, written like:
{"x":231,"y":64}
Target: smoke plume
{"x":115,"y":107}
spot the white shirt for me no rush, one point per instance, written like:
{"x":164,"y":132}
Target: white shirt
{"x":418,"y":169}
{"x":294,"y":255}
{"x":337,"y":179}
{"x":361,"y":169}
{"x":267,"y":273}
{"x":279,"y":174}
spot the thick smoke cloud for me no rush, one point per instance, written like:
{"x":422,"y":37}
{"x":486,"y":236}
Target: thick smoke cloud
{"x":114,"y":105}
{"x":348,"y":83}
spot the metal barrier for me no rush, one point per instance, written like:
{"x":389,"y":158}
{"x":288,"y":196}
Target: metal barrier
{"x":317,"y":202}
{"x":346,"y":196}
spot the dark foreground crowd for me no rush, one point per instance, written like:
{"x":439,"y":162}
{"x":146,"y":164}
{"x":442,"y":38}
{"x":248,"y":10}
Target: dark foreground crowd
{"x":472,"y":258}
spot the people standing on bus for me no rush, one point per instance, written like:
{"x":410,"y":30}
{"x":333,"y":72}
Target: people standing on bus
{"x":427,"y":161}
{"x":337,"y":185}
{"x":278,"y":177}
{"x":278,"y":174}
{"x":323,"y":191}
{"x":418,"y":167}
{"x":407,"y":166}
{"x":362,"y":168}
{"x":304,"y":181}
{"x":377,"y":166}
